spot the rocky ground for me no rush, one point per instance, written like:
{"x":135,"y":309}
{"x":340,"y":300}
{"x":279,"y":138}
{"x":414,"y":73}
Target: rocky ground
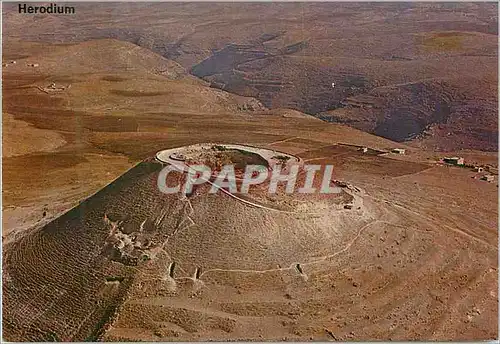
{"x":414,"y":258}
{"x":422,"y":73}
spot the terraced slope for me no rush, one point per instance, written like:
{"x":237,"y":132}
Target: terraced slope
{"x":57,"y":279}
{"x":63,"y":281}
{"x":131,"y":263}
{"x":417,"y":259}
{"x":431,"y":67}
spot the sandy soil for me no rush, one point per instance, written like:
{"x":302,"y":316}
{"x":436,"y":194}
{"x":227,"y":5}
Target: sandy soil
{"x":399,"y":266}
{"x":417,"y":260}
{"x":21,"y":138}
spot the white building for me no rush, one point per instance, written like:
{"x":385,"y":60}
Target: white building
{"x":398,"y":150}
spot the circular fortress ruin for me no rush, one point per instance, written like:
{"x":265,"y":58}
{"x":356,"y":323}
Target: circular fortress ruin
{"x":217,"y":155}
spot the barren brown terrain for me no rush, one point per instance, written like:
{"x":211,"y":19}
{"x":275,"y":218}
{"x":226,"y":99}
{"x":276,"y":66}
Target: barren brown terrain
{"x":425,"y":73}
{"x":92,"y":250}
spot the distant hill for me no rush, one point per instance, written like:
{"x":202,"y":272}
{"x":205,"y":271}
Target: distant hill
{"x":288,"y":55}
{"x":85,"y":229}
{"x":113,"y":69}
{"x":66,"y":280}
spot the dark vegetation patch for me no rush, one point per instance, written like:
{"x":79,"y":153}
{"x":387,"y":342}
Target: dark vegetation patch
{"x":269,"y":37}
{"x":40,"y":163}
{"x":294,"y":48}
{"x":45,"y":115}
{"x":8,"y":57}
{"x":110,"y":124}
{"x":113,"y":78}
{"x":219,"y":148}
{"x":63,"y":79}
{"x":227,"y":59}
{"x":37,"y":102}
{"x":400,"y":125}
{"x":13,"y":81}
{"x":138,"y":146}
{"x":126,"y":93}
{"x":444,"y":41}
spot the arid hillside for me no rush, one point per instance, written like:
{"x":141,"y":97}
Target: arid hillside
{"x":91,"y":117}
{"x":419,"y":72}
{"x":92,"y":250}
{"x":130,"y":263}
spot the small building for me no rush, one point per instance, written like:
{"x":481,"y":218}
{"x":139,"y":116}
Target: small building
{"x":488,"y":177}
{"x":478,"y":169}
{"x":33,"y":64}
{"x":454,"y":161}
{"x":363,"y":149}
{"x":398,"y":150}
